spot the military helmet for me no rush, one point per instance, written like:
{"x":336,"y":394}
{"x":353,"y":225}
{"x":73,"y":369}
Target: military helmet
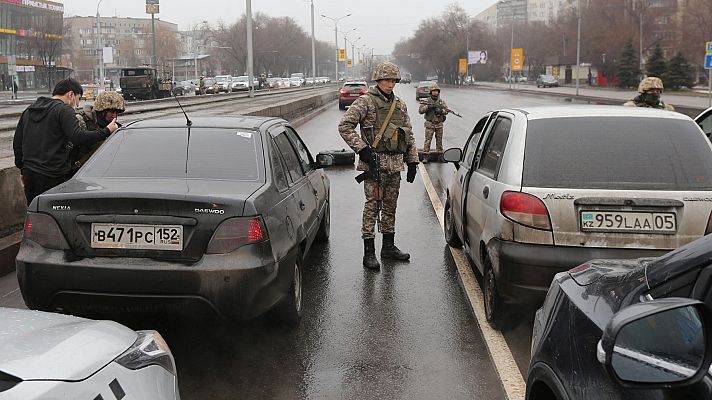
{"x":386,"y":70}
{"x":109,"y":101}
{"x":433,"y":86}
{"x":649,"y":83}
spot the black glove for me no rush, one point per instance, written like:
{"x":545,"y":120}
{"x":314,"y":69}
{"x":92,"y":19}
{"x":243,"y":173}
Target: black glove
{"x":410,"y":177}
{"x":366,"y":155}
{"x":432,"y":107}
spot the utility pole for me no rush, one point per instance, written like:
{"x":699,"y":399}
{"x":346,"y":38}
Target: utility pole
{"x":154,"y":59}
{"x":99,"y":48}
{"x":640,"y":58}
{"x":250,"y":74}
{"x":578,"y":49}
{"x":313,"y":48}
{"x":336,"y":42}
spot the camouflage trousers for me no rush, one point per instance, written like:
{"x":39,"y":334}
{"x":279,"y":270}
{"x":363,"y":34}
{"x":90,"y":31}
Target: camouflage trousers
{"x":437,"y":130}
{"x":390,"y":185}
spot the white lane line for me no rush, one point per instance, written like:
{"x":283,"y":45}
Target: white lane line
{"x":507,"y":369}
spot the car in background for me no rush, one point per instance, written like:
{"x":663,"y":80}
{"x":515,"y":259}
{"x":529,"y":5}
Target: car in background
{"x":215,"y":217}
{"x":273,"y":83}
{"x":704,"y":120}
{"x":241,"y":83}
{"x":539,"y":190}
{"x":635,"y":329}
{"x":423,"y":89}
{"x":350,"y":91}
{"x":405,"y":77}
{"x":47,"y":355}
{"x":296,"y":81}
{"x":299,"y":75}
{"x":224,"y":83}
{"x":211,"y":86}
{"x":547,"y":81}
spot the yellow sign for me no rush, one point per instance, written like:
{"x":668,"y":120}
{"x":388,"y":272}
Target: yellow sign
{"x":555,"y":72}
{"x":462,"y":67}
{"x":151,"y":8}
{"x":342,"y":54}
{"x":349,"y":63}
{"x":517,"y":59}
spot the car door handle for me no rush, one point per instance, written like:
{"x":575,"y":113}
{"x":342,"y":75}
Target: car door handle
{"x":301,"y":205}
{"x":485,"y":191}
{"x":315,"y":192}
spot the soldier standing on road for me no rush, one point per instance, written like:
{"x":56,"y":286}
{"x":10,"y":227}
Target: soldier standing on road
{"x":650,"y":90}
{"x":43,"y":134}
{"x":385,"y":143}
{"x":434,"y":109}
{"x":201,"y":86}
{"x":106,"y":108}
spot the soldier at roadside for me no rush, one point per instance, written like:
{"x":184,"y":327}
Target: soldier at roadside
{"x":106,"y":108}
{"x":434,"y":109}
{"x":650,"y":90}
{"x":42,"y":136}
{"x":201,"y":86}
{"x":385,"y":143}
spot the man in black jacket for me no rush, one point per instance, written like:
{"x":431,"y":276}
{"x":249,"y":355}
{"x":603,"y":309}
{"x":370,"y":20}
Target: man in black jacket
{"x":42,"y":136}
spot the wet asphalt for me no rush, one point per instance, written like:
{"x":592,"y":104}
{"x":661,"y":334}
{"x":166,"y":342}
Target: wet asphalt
{"x":405,"y":332}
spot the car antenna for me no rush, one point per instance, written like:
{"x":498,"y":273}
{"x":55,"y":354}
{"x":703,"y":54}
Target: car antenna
{"x":188,"y":123}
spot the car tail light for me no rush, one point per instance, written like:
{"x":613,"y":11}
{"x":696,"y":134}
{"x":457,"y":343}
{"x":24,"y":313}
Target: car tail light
{"x":363,"y":91}
{"x":43,"y":230}
{"x":525,"y":209}
{"x":708,"y":230}
{"x":234,"y":233}
{"x":344,"y":91}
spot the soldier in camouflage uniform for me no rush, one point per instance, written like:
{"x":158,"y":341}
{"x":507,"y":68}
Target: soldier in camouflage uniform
{"x":394,"y":147}
{"x":434,"y":109}
{"x":106,"y":108}
{"x":650,"y":90}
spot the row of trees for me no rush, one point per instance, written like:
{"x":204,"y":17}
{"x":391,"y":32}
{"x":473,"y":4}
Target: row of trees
{"x":675,"y":73}
{"x":607,"y":26}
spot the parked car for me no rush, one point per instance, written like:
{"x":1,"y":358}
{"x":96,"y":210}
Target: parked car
{"x":211,"y":86}
{"x":539,"y":190}
{"x":47,"y":355}
{"x":546,"y":81}
{"x":635,"y":329}
{"x":351,"y":91}
{"x":224,"y":83}
{"x":705,"y":122}
{"x":241,"y":83}
{"x":423,"y":89}
{"x":405,"y":78}
{"x":273,"y":83}
{"x":296,"y":81}
{"x":218,"y":223}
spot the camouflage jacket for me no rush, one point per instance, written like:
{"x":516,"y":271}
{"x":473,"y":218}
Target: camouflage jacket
{"x":432,"y":118}
{"x":79,"y":154}
{"x":638,"y":102}
{"x":363,"y":112}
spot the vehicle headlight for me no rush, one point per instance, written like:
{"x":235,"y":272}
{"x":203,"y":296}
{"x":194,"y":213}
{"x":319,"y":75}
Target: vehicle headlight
{"x":148,"y":349}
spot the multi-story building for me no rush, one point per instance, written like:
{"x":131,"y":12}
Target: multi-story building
{"x":130,"y":39}
{"x":31,"y":34}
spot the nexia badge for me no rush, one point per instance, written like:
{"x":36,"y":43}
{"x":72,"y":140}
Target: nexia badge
{"x":61,"y":208}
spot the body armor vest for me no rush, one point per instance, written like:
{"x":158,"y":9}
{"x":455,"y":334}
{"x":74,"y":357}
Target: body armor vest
{"x":431,"y":115}
{"x":393,"y":140}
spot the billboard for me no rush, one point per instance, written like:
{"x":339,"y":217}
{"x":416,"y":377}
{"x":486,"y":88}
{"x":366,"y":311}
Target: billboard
{"x":462,"y":66}
{"x":477,"y":57}
{"x":342,"y":54}
{"x":517,"y":59}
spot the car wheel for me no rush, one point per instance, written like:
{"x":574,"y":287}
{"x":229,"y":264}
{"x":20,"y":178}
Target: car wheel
{"x":325,"y":227}
{"x":342,"y":106}
{"x":290,"y":309}
{"x":450,"y":233}
{"x":492,"y":301}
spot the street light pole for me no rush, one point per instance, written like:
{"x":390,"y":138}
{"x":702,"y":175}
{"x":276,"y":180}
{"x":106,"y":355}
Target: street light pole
{"x":313,"y":48}
{"x":336,"y":41}
{"x":578,"y":49}
{"x":100,"y":50}
{"x":250,"y":76}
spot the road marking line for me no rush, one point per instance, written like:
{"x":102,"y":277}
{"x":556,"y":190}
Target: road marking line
{"x":507,"y":369}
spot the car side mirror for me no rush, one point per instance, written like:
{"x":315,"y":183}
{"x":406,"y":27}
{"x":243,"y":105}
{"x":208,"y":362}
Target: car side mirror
{"x":454,"y":156}
{"x":324,"y":160}
{"x":663,"y":343}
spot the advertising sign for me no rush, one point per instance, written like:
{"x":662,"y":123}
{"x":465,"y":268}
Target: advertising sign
{"x":349,"y":63}
{"x":342,"y":54}
{"x":517,"y":59}
{"x":477,"y":57}
{"x":152,"y":2}
{"x":108,"y":54}
{"x":151,"y":8}
{"x":462,"y":66}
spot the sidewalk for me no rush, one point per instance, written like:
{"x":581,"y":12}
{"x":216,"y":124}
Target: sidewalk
{"x":690,"y":100}
{"x":23,"y":97}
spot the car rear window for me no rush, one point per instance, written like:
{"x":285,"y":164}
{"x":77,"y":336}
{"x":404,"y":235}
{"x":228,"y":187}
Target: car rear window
{"x":617,"y":153}
{"x":352,"y":86}
{"x":214,"y":153}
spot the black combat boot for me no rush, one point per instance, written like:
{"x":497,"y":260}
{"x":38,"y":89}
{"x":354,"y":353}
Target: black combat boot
{"x":369,"y":255}
{"x":389,"y":249}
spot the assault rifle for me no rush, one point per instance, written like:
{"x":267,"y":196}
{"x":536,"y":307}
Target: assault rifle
{"x":442,"y":110}
{"x":376,"y":176}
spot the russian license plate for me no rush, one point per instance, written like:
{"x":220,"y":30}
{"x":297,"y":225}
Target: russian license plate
{"x":637,"y":222}
{"x":136,"y":236}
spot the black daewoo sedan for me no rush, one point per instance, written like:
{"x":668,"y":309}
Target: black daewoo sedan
{"x":213,"y":218}
{"x":627,"y":329}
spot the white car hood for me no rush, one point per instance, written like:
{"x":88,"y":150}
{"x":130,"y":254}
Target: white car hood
{"x":45,"y":346}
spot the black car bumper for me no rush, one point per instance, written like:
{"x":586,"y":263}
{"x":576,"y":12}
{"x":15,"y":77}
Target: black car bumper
{"x":524,"y":272}
{"x":238,"y":285}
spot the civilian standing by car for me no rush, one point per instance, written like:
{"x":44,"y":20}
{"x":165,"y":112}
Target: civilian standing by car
{"x":434,"y":109}
{"x":42,"y":136}
{"x":385,"y":143}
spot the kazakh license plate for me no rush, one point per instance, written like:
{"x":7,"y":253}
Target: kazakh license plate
{"x":638,"y":222}
{"x":136,"y":236}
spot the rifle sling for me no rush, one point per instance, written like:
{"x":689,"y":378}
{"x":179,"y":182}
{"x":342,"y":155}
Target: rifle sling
{"x":379,"y":135}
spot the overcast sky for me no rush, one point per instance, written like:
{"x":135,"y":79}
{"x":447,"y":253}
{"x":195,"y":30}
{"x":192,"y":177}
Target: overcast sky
{"x":380,"y":23}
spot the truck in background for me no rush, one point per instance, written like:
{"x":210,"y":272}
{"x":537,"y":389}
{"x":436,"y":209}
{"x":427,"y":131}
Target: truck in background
{"x":144,"y":83}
